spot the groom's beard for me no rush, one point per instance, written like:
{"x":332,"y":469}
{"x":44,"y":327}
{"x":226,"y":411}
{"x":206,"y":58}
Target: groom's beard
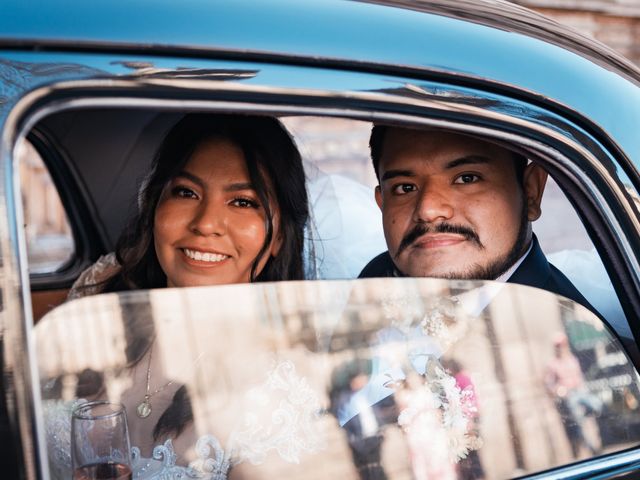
{"x":495,"y":268}
{"x":500,"y":265}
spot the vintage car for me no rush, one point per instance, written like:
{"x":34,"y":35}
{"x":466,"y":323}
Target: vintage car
{"x":446,"y":378}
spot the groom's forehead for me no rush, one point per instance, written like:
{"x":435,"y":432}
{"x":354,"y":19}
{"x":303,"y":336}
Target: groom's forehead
{"x":440,"y":150}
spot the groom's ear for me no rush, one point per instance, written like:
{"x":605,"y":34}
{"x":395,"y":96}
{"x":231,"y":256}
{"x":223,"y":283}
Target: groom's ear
{"x":378,"y":195}
{"x":535,"y":179}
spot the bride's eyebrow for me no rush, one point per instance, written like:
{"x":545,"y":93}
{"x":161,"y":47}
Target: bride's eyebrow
{"x":191,"y":177}
{"x":235,"y":187}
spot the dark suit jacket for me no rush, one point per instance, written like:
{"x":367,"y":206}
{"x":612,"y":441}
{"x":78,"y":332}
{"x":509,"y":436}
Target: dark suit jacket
{"x":534,"y":271}
{"x":385,"y":412}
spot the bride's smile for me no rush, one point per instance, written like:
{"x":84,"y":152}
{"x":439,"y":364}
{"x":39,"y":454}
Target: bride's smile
{"x":207,"y":257}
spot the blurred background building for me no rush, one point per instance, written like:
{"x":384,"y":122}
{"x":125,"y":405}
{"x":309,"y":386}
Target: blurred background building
{"x":615,"y":23}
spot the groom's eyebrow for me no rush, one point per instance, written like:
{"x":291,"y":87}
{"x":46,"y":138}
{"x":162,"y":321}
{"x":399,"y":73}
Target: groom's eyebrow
{"x":468,"y":160}
{"x":389,"y":174}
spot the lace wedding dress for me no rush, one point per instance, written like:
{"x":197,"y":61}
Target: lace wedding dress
{"x":89,"y":280}
{"x":290,"y":430}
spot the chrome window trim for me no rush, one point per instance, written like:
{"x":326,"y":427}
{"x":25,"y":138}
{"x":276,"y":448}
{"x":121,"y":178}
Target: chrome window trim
{"x":612,"y":464}
{"x":15,"y":268}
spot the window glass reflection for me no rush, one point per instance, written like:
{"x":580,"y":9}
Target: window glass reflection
{"x":384,"y":378}
{"x":48,"y":233}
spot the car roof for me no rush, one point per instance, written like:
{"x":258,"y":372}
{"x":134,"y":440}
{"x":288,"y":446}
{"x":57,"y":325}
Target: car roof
{"x":324,"y":29}
{"x":489,"y":41}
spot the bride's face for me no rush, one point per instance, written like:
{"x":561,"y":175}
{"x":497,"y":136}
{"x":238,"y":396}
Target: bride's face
{"x":209,"y":225}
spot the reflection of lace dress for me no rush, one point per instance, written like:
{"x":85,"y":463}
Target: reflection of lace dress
{"x":289,"y":429}
{"x":105,"y":267}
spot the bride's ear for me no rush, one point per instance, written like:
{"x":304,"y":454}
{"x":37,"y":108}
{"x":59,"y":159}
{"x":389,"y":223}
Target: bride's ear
{"x":276,"y":244}
{"x":278,"y":238}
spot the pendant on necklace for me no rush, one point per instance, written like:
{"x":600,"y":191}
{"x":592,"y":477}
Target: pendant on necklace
{"x":144,"y":409}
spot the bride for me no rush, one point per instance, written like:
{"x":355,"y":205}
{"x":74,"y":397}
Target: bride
{"x":225,"y":202}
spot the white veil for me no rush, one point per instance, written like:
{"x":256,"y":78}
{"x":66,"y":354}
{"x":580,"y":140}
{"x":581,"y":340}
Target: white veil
{"x":344,"y":231}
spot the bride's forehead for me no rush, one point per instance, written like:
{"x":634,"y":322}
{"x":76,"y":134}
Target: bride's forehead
{"x":217,"y":154}
{"x":216,"y":167}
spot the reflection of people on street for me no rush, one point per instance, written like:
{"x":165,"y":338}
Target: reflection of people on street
{"x":428,"y":441}
{"x":364,"y":430}
{"x":469,"y":467}
{"x":565,"y":382}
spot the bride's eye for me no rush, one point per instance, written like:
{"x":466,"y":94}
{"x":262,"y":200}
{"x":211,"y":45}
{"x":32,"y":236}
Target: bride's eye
{"x":243,"y":202}
{"x":183,"y":192}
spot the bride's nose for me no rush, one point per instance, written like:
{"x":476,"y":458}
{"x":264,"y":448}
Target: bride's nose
{"x":209,"y":218}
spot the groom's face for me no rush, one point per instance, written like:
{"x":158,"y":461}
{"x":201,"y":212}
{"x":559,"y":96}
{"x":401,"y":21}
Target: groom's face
{"x":453,"y":206}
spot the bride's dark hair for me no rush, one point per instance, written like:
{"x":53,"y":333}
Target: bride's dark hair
{"x":272,"y":159}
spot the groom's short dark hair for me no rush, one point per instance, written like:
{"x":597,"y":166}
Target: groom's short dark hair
{"x":376,"y":144}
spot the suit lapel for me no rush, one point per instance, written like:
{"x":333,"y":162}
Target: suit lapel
{"x":534,"y":269}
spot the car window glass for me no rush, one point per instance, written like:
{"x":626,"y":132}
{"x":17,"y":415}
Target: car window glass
{"x":48,"y":234}
{"x":569,"y":248}
{"x":326,"y":378}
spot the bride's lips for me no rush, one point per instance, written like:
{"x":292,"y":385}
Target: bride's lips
{"x":438,"y":240}
{"x":207,"y":258}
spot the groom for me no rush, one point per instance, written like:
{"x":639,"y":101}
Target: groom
{"x":455,"y":206}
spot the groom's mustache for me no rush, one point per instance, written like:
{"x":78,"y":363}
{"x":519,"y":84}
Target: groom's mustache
{"x":422,"y":229}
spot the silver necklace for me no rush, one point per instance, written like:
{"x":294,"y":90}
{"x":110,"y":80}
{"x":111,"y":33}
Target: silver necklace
{"x":144,"y":408}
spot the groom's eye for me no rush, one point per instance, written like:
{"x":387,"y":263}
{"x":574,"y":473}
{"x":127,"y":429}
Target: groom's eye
{"x":403,"y":188}
{"x":467,"y":178}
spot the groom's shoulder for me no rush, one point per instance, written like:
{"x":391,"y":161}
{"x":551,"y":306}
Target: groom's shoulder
{"x":380,"y":266}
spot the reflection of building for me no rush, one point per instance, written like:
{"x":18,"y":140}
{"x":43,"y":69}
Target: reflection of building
{"x":523,"y":420}
{"x":615,"y":23}
{"x":42,"y":209}
{"x":47,"y":230}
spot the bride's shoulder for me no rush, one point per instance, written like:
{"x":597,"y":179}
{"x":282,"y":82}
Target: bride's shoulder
{"x":90,"y":281}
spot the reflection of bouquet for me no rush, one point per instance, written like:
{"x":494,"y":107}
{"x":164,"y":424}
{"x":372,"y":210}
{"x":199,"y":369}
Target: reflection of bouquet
{"x":458,"y":410}
{"x":439,"y":317}
{"x":439,"y":407}
{"x":455,"y":410}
